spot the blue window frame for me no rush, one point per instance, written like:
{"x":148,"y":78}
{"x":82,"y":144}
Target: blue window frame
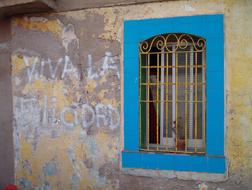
{"x":209,"y":27}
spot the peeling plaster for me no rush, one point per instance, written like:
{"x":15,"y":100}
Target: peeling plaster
{"x":69,"y":36}
{"x":56,"y":27}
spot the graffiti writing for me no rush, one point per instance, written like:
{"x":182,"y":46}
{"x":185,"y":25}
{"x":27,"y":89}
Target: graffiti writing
{"x":33,"y":73}
{"x":30,"y":113}
{"x":63,"y":67}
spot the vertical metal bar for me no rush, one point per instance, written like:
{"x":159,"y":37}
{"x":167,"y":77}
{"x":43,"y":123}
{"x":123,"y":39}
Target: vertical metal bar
{"x":204,"y":100}
{"x":157,"y":83}
{"x":140,"y":103}
{"x":148,"y":103}
{"x":162,"y":97}
{"x":173,"y":93}
{"x":190,"y":121}
{"x":167,"y":99}
{"x":176,"y":121}
{"x":186,"y":102}
{"x":196,"y":103}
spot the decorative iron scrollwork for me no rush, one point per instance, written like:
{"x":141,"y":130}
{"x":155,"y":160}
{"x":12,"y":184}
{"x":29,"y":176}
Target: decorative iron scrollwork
{"x":171,"y":42}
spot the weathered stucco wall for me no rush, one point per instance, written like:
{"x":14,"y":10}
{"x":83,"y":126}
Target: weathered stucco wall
{"x":67,"y":71}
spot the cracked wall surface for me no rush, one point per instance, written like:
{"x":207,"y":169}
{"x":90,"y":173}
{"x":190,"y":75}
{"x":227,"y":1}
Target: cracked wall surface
{"x":67,"y":74}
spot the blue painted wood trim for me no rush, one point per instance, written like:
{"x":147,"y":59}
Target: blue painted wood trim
{"x":178,"y":162}
{"x":209,"y":27}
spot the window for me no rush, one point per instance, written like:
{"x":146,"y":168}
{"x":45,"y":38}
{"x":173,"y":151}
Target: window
{"x":174,"y":94}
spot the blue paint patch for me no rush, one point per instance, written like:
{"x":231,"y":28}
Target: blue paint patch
{"x":24,"y":184}
{"x":50,"y":168}
{"x":209,"y":27}
{"x":75,"y":181}
{"x":45,"y":186}
{"x":71,"y":155}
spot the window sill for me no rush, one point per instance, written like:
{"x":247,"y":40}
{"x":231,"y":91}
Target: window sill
{"x":171,"y":174}
{"x":174,"y":162}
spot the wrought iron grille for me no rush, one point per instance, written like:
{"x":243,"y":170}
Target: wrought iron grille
{"x":172,"y":95}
